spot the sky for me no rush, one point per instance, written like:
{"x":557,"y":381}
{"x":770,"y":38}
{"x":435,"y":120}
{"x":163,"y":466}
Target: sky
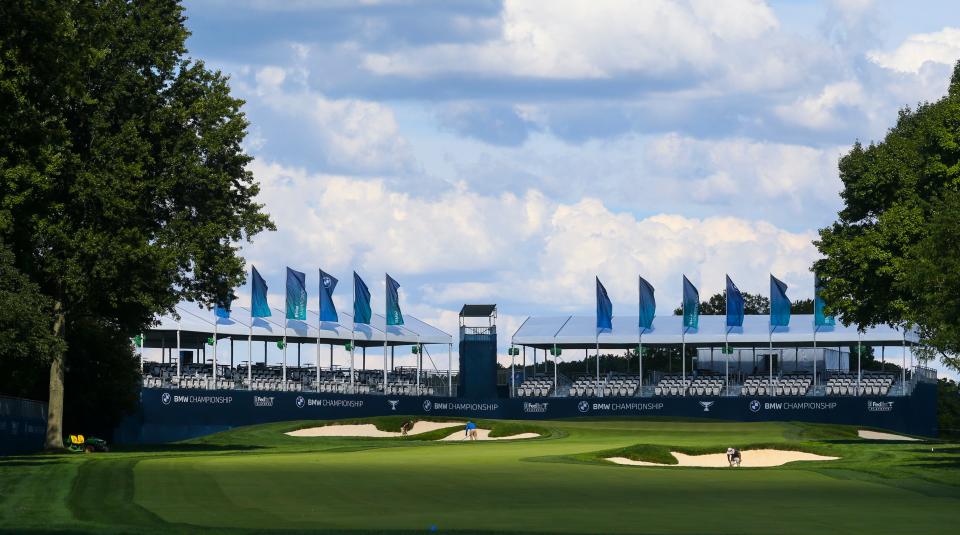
{"x":508,"y":152}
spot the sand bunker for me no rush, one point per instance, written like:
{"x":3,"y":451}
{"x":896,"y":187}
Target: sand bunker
{"x":368,"y":430}
{"x":484,"y":434}
{"x":751,"y":459}
{"x":876,"y":435}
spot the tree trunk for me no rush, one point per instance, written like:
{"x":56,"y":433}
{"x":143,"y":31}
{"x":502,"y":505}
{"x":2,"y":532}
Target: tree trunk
{"x":55,"y":404}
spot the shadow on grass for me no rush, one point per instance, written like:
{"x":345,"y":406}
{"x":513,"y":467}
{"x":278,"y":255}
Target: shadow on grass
{"x":186,"y":448}
{"x":29,"y":460}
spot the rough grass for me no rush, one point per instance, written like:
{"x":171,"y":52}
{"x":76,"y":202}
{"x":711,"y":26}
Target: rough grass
{"x":256,"y":479}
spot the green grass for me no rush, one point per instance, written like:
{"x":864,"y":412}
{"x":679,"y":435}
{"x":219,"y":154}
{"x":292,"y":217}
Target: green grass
{"x":258,"y":479}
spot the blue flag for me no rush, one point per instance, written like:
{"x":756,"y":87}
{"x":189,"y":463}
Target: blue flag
{"x":222,"y":312}
{"x":394,"y":316}
{"x":296,"y":295}
{"x":604,"y":310}
{"x":361,"y":301}
{"x":258,"y":297}
{"x":779,"y":303}
{"x":820,"y":319}
{"x":328,"y":283}
{"x":648,"y":305}
{"x":734,"y":305}
{"x":691,"y":304}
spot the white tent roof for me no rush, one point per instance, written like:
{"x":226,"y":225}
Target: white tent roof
{"x":201,"y":321}
{"x":580,"y":331}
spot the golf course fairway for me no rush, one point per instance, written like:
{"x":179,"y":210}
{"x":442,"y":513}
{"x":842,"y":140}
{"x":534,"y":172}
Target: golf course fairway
{"x":258,"y":479}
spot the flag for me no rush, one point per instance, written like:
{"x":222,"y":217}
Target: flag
{"x":221,"y":312}
{"x":361,"y":301}
{"x":779,"y":303}
{"x":258,"y":297}
{"x":328,"y":283}
{"x":394,"y":316}
{"x":819,"y":318}
{"x":604,"y":310}
{"x":691,"y":304}
{"x":734,"y":305}
{"x":296,"y":295}
{"x":648,"y":305}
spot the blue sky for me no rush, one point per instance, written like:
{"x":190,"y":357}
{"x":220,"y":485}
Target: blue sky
{"x":507,"y":152}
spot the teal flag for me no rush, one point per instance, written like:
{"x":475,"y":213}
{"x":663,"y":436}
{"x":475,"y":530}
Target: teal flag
{"x":691,"y":304}
{"x":820,"y":319}
{"x":258,"y":296}
{"x":648,"y":305}
{"x":394,"y":316}
{"x":296,"y":295}
{"x":604,"y":310}
{"x":361,"y":301}
{"x":779,"y":303}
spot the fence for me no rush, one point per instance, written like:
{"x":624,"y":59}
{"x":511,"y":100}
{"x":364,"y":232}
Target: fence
{"x":23,"y":425}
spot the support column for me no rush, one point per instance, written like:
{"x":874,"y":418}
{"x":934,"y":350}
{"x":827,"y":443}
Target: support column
{"x":449,"y":370}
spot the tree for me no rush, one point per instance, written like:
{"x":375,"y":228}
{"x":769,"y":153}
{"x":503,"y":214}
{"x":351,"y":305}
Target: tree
{"x":892,"y":255}
{"x":126,"y":189}
{"x":752,"y":304}
{"x":27,"y":343}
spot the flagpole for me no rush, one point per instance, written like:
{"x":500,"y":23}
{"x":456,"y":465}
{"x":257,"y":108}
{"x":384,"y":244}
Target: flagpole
{"x":216,"y":325}
{"x":815,"y":328}
{"x":598,"y":393}
{"x":178,"y":353}
{"x":640,"y":359}
{"x":683,"y":345}
{"x":319,"y":323}
{"x":250,"y":355}
{"x":726,"y":361}
{"x":284,"y":368}
{"x":770,"y":358}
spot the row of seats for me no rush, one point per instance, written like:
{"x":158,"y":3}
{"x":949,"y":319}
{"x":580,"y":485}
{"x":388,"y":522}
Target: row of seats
{"x":535,"y":387}
{"x":869,"y":385}
{"x":787,"y":385}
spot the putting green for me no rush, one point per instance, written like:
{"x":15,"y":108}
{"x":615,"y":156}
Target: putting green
{"x":257,"y":478}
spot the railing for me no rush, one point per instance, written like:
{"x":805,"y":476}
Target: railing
{"x":925,"y":375}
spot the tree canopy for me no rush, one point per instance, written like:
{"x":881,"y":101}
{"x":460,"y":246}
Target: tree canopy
{"x":126,"y":187}
{"x":892,"y":255}
{"x":752,"y":304}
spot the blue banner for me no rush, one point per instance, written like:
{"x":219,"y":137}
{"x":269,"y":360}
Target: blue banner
{"x":296,"y":295}
{"x":734,"y":305}
{"x":394,"y":316}
{"x":328,"y":283}
{"x":691,"y":305}
{"x":221,"y":312}
{"x":604,"y":310}
{"x":779,"y":303}
{"x":820,"y":319}
{"x":648,"y":305}
{"x":258,"y":296}
{"x":361,"y":301}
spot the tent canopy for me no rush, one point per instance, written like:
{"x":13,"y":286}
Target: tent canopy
{"x":580,"y":332}
{"x":199,"y":323}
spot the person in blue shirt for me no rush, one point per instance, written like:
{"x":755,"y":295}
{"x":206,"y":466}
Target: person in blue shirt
{"x":471,"y":430}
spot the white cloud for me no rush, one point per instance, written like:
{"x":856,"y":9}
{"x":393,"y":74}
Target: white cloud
{"x":572,"y":39}
{"x":536,"y":254}
{"x":354,"y":134}
{"x":938,"y":47}
{"x":821,"y":111}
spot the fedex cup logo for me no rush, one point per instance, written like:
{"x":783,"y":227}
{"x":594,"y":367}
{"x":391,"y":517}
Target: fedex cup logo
{"x":166,"y":398}
{"x":754,"y":406}
{"x":300,"y":402}
{"x":393,"y":403}
{"x":706,"y":405}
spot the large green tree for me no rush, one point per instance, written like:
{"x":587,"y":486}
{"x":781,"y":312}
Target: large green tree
{"x":892,"y":255}
{"x":125,"y":185}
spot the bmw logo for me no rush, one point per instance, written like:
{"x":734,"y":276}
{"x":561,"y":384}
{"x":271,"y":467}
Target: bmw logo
{"x":754,"y":406}
{"x":583,"y":406}
{"x":427,"y":405}
{"x":166,"y":398}
{"x":300,"y":402}
{"x":326,"y":282}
